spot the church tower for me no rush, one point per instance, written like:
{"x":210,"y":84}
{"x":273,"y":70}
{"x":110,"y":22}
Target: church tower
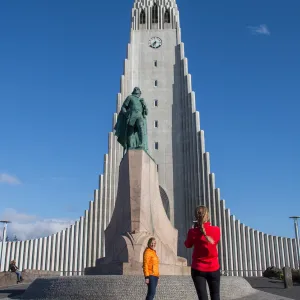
{"x":156,"y":63}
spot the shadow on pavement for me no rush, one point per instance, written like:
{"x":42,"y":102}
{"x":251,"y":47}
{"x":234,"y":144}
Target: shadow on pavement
{"x":13,"y":292}
{"x":275,"y":287}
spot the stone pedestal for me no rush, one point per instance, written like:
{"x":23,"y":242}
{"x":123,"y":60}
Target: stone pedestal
{"x":138,"y":215}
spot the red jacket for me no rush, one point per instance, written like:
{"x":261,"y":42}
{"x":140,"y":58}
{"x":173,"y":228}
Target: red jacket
{"x":205,"y":254}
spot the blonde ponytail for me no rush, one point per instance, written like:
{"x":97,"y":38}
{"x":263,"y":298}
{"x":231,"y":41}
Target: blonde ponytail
{"x":202,"y":216}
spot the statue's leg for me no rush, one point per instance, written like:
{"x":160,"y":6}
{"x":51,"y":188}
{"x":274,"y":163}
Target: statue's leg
{"x":130,"y":134}
{"x":140,"y":130}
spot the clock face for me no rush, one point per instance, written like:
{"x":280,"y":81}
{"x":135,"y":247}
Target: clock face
{"x":155,"y":42}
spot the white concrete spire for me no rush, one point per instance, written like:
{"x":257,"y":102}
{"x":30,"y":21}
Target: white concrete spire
{"x":155,"y":14}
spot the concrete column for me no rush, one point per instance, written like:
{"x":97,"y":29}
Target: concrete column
{"x":219,"y":223}
{"x":67,"y":252}
{"x":30,"y":254}
{"x":262,"y":251}
{"x":249,"y":251}
{"x":224,"y":236}
{"x":90,"y":233}
{"x":258,"y":253}
{"x":276,"y":250}
{"x":48,"y":252}
{"x":286,"y":253}
{"x":54,"y":250}
{"x":95,"y":229}
{"x":291,"y":253}
{"x":26,"y":255}
{"x":100,"y":217}
{"x":272,"y":250}
{"x":39,"y":253}
{"x":295,"y":251}
{"x":253,"y":252}
{"x":22,"y":256}
{"x":281,"y":252}
{"x":16,"y":252}
{"x":212,"y":199}
{"x":57,"y":265}
{"x":244,"y":251}
{"x":35,"y":255}
{"x":268,"y":251}
{"x":81,"y":246}
{"x":240,"y":267}
{"x":234,"y":245}
{"x":44,"y":251}
{"x":105,"y":203}
{"x":63,"y":252}
{"x":229,"y":243}
{"x":7,"y":254}
{"x":71,"y":251}
{"x":85,"y":239}
{"x":76,"y":241}
{"x":201,"y":167}
{"x":206,"y":179}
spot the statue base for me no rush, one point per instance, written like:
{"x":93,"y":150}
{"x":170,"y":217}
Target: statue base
{"x":138,"y":215}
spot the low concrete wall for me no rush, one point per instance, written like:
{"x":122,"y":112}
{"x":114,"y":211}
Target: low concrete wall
{"x":9,"y":278}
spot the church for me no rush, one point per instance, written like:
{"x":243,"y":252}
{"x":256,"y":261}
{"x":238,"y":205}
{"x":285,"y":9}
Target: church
{"x":156,"y":63}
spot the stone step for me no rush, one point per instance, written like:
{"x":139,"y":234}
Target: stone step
{"x":133,"y":287}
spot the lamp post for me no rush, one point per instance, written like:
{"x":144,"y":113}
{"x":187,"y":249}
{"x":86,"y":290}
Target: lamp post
{"x":5,"y":222}
{"x":295,"y":218}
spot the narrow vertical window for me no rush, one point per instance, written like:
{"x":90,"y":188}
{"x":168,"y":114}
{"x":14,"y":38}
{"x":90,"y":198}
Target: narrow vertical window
{"x":157,"y":168}
{"x":155,"y":13}
{"x":155,"y":63}
{"x":155,"y":83}
{"x":156,"y":124}
{"x":167,"y":17}
{"x":155,"y":103}
{"x":142,"y":17}
{"x":156,"y":145}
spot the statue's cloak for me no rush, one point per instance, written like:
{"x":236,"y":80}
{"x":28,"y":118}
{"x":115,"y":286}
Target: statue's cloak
{"x":121,"y":129}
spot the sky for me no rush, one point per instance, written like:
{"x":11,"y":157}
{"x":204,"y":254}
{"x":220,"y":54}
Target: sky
{"x":60,"y":68}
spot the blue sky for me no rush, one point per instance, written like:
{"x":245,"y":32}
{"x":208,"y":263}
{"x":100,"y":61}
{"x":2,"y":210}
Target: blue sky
{"x":60,"y":68}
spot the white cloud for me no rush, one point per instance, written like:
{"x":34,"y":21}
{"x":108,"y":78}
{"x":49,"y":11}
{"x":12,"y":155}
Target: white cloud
{"x":30,"y":227}
{"x":261,"y":29}
{"x":9,"y":179}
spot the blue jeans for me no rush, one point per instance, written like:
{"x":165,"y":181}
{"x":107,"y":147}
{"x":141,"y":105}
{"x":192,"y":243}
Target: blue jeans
{"x":19,"y":275}
{"x":153,"y":280}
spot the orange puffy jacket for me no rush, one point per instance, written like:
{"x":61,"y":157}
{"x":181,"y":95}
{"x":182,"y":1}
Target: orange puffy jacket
{"x":150,"y":263}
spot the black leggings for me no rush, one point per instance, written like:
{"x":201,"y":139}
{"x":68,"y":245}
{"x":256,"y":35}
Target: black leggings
{"x":213,"y":280}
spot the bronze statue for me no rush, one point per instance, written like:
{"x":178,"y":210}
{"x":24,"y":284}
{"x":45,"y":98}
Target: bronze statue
{"x":131,"y":126}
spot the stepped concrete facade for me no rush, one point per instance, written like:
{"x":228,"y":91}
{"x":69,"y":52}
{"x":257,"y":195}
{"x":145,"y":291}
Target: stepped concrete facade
{"x":156,"y":63}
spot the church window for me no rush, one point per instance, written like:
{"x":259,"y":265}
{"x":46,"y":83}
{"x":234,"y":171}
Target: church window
{"x":155,"y":13}
{"x":156,"y":124}
{"x":155,"y":83}
{"x":142,"y":17}
{"x":156,"y":145}
{"x":156,"y":103}
{"x":167,"y":18}
{"x":155,"y":63}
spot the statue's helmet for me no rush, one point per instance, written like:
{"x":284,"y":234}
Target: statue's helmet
{"x":137,"y":91}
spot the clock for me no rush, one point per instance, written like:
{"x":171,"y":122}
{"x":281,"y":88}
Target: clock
{"x":155,"y":42}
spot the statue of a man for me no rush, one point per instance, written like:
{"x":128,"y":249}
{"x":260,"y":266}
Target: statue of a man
{"x":131,"y":126}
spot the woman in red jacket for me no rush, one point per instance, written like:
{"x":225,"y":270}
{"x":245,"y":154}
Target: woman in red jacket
{"x":205,"y":261}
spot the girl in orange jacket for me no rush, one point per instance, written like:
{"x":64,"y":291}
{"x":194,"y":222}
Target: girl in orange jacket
{"x":151,"y":268}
